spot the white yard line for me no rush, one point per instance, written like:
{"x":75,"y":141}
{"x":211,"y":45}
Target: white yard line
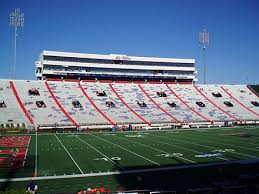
{"x":120,"y":172}
{"x":204,"y":145}
{"x":29,"y":141}
{"x":101,"y":153}
{"x":127,"y":150}
{"x":157,"y":149}
{"x":36,"y":156}
{"x":69,"y":154}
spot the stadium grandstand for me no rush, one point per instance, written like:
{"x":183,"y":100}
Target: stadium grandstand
{"x":168,"y":121}
{"x":129,"y":97}
{"x":84,"y":91}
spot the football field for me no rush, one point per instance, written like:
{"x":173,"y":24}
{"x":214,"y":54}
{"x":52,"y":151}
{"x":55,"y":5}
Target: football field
{"x":75,"y":155}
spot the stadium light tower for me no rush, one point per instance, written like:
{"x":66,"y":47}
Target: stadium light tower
{"x":16,"y":21}
{"x":204,"y":41}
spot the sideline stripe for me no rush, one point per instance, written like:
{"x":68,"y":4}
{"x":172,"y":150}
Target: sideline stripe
{"x":126,"y":150}
{"x":69,"y":154}
{"x":157,"y":149}
{"x":101,"y":153}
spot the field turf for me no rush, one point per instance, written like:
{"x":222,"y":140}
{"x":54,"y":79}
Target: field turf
{"x":67,"y":157}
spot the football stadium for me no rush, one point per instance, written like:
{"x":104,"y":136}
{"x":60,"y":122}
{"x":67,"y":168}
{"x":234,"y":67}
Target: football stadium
{"x":95,"y":120}
{"x":119,"y":123}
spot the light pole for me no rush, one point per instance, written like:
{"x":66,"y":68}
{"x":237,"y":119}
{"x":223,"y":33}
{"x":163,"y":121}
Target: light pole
{"x":16,"y":21}
{"x":204,"y":41}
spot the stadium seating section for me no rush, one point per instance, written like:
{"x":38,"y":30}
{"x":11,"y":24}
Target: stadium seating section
{"x":86,"y":104}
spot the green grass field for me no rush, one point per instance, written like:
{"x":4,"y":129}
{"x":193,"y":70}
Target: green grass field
{"x":69,"y":157}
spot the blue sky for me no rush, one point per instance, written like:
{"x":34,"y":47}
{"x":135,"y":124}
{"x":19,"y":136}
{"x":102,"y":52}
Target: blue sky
{"x":161,"y":28}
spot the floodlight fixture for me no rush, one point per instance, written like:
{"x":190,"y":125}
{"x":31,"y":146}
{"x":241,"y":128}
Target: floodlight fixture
{"x":204,"y":42}
{"x":16,"y":21}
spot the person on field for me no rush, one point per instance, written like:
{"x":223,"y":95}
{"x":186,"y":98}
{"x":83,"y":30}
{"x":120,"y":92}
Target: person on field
{"x":32,"y":187}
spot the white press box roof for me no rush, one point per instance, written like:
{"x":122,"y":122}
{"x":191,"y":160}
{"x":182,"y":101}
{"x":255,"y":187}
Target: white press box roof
{"x":116,"y":57}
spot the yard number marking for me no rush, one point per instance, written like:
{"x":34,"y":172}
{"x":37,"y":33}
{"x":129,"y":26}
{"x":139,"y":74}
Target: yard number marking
{"x":208,"y":155}
{"x":106,"y":159}
{"x":167,"y":155}
{"x":109,"y":134}
{"x":134,"y":135}
{"x":223,"y":150}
